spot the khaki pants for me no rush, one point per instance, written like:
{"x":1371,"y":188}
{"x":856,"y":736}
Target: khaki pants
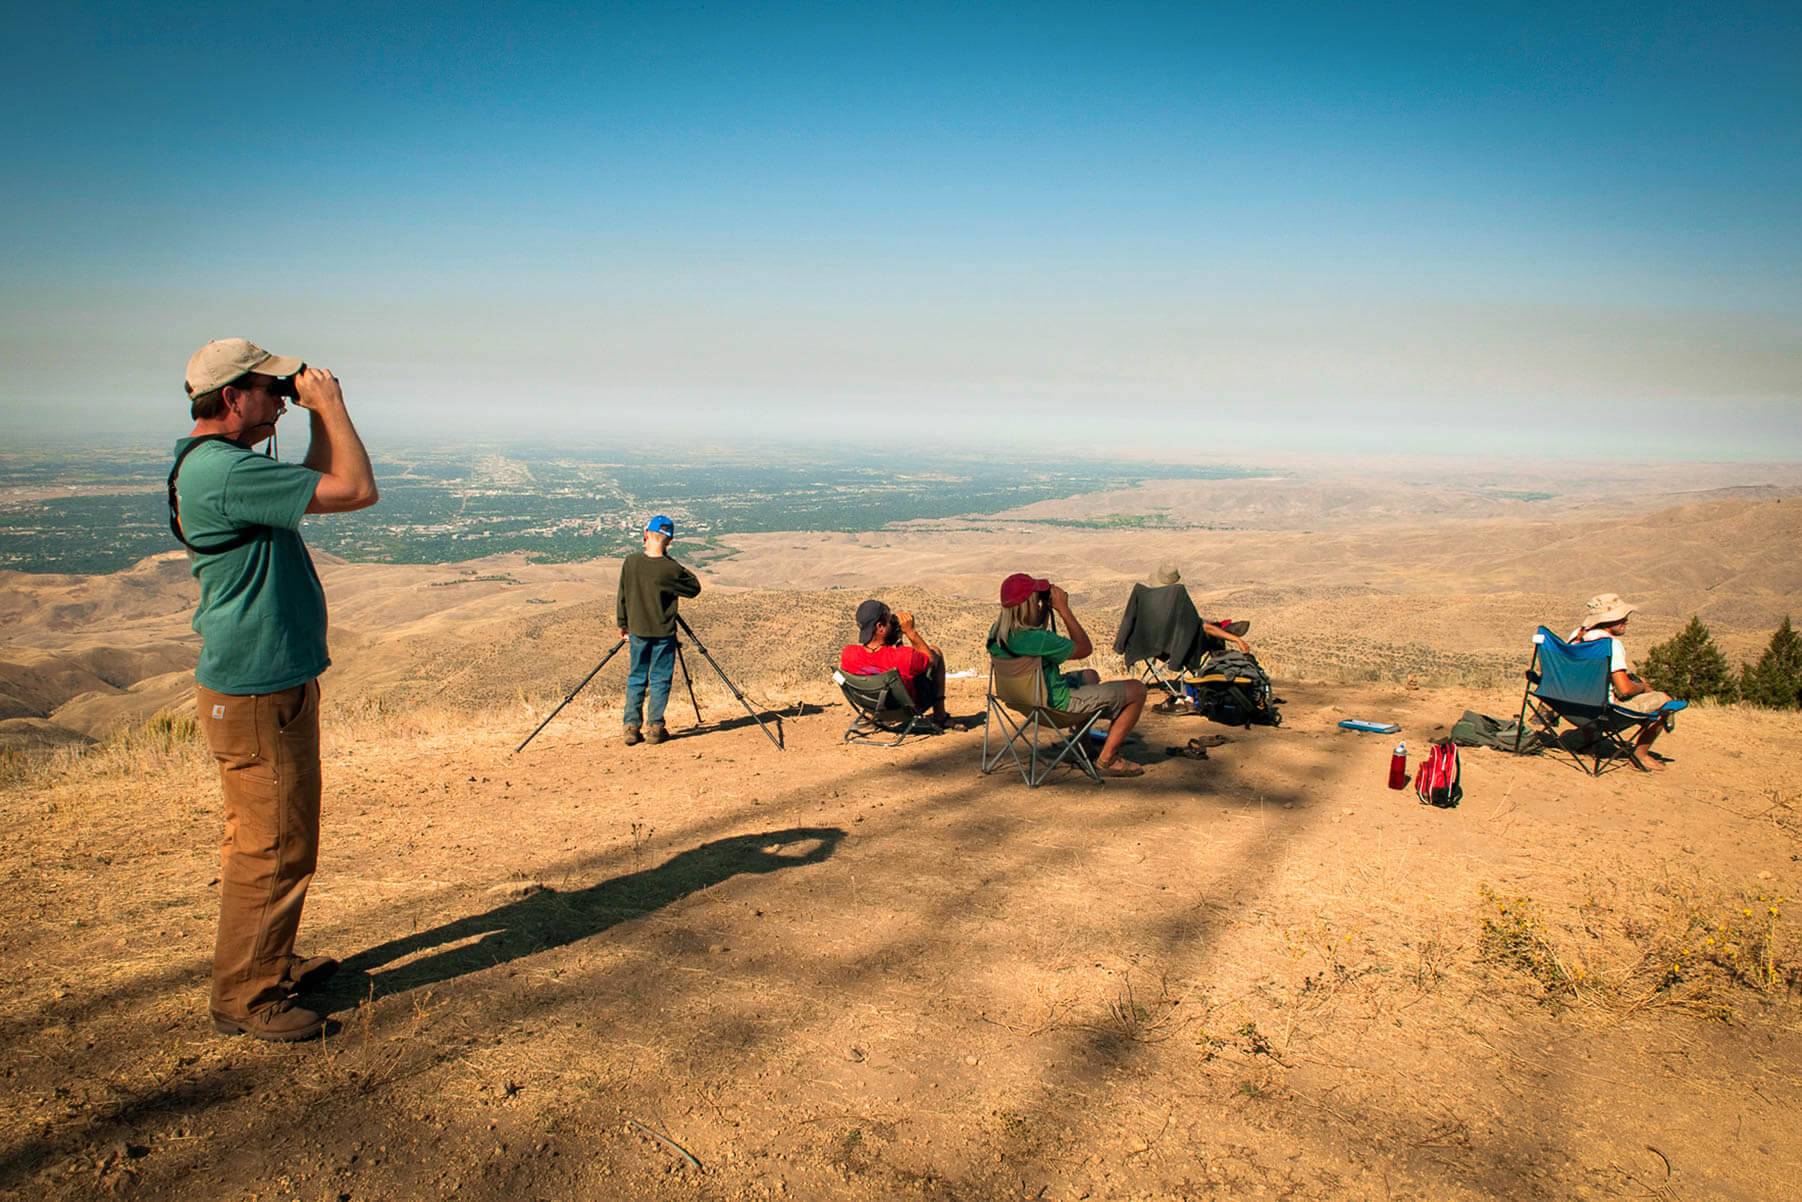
{"x":267,"y":745}
{"x":1648,"y":702}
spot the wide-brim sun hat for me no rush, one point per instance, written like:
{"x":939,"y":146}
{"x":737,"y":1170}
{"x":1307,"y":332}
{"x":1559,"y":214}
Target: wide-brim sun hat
{"x":1604,"y":609}
{"x":1167,"y":573}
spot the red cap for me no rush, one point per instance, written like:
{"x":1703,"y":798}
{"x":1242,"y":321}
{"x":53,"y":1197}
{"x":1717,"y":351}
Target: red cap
{"x":1019,"y":586}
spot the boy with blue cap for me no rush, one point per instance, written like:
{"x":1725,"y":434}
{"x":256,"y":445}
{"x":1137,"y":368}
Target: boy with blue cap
{"x":649,"y":584}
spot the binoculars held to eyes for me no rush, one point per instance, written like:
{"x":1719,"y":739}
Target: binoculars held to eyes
{"x":284,"y":386}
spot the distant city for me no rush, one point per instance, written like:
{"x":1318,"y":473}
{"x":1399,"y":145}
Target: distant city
{"x":103,"y":511}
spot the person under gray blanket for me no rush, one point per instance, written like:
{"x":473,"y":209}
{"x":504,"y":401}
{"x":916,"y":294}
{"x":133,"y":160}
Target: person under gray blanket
{"x":1161,"y":623}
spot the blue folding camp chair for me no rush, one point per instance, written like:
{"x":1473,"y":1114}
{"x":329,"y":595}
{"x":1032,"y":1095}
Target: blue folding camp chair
{"x":1570,"y":681}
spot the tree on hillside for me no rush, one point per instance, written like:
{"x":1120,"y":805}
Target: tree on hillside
{"x":1775,"y":681}
{"x":1691,"y":666}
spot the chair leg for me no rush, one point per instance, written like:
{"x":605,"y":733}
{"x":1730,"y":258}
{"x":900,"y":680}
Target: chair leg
{"x":1009,"y":737}
{"x":1032,"y":776}
{"x":1077,"y":751}
{"x":1151,"y":675}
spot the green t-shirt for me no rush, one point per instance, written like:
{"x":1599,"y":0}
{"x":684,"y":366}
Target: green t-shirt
{"x":1052,"y":650}
{"x":261,"y":618}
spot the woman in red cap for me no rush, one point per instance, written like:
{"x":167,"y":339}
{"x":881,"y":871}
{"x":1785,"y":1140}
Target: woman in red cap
{"x":1027,"y":604}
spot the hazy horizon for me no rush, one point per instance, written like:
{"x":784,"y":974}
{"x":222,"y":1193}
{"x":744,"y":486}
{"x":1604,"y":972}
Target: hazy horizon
{"x":1132,"y":230}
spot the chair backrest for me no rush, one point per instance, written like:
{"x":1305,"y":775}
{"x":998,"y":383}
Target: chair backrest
{"x":1176,"y":611}
{"x":881,"y":693}
{"x":1019,"y":682}
{"x":1572,"y":675}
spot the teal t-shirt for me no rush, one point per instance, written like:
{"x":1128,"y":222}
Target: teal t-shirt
{"x":261,"y":618}
{"x":1052,"y":650}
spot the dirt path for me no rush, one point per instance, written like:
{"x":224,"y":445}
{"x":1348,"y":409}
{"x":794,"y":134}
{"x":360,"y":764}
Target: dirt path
{"x":857,"y":973}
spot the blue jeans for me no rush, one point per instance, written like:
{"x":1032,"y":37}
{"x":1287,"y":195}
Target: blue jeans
{"x":653,"y":665}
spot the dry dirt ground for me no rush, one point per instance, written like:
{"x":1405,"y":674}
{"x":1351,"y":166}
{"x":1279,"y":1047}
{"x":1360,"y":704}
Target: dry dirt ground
{"x":715,"y":970}
{"x":711,"y":969}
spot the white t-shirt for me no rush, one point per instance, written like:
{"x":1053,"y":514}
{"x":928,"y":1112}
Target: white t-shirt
{"x":1617,"y":654}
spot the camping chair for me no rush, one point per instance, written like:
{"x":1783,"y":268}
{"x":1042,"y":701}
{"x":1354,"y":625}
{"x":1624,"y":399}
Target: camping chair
{"x":1017,"y":700}
{"x":1570,"y":681}
{"x":1153,"y":670}
{"x":880,"y":705}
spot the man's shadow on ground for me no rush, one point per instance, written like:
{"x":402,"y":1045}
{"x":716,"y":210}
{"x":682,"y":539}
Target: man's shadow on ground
{"x":548,"y":918}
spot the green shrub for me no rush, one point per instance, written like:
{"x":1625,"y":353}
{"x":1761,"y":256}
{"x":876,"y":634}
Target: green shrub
{"x":1775,"y":681}
{"x":1690,"y":666}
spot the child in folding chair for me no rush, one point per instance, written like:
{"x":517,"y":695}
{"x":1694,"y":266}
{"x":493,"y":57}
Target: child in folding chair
{"x":1022,"y":630}
{"x":1605,"y":617}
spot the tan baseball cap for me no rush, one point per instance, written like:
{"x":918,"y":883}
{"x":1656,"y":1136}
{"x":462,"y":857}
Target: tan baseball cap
{"x":220,"y":362}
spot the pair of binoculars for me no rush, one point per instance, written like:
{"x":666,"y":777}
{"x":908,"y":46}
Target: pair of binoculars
{"x":284,"y":385}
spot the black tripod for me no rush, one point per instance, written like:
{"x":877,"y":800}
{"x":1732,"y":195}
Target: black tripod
{"x":611,"y":652}
{"x":688,"y":630}
{"x":687,"y":680}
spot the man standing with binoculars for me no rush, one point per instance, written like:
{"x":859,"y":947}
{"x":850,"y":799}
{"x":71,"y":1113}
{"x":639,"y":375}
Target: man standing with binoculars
{"x":262,"y":624}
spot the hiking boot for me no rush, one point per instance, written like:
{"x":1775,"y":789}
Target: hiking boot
{"x":657,"y":733}
{"x":633,"y":738}
{"x":283,"y":1022}
{"x":304,"y":974}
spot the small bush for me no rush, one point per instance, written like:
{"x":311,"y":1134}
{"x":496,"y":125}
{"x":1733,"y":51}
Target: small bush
{"x":1698,"y":949}
{"x":1775,"y":681}
{"x":1741,"y":944}
{"x":1515,"y":937}
{"x":1691,"y":666}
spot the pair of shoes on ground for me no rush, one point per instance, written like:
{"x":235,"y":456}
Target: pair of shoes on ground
{"x":285,"y":1022}
{"x":1197,"y":749}
{"x":656,"y":733}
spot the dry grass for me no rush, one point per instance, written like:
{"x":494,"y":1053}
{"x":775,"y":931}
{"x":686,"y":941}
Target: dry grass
{"x":167,"y":739}
{"x":1690,"y":947}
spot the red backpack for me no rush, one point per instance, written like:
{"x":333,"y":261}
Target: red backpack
{"x":1436,"y":784}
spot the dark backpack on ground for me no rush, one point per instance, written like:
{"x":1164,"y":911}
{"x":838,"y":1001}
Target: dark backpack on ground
{"x":1437,"y":783}
{"x":1233,"y":689}
{"x":1480,"y":730}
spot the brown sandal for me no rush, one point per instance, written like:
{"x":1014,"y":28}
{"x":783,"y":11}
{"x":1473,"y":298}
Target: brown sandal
{"x":1120,"y":766}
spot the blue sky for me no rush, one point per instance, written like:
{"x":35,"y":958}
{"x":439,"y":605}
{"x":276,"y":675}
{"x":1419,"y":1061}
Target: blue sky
{"x":1287,"y":227}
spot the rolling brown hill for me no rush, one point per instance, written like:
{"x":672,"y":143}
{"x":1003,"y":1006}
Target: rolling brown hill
{"x":1425,"y":600}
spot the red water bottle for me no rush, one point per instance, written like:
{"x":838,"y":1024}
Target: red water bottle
{"x":1398,"y":767}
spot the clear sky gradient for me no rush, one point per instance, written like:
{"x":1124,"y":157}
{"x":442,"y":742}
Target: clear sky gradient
{"x":1271,"y":226}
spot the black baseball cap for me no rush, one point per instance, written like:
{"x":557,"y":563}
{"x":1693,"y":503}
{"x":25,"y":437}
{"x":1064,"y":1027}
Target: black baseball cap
{"x":870,"y":615}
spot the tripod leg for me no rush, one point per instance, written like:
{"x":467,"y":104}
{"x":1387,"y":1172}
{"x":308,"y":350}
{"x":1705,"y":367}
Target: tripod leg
{"x":708,"y":656}
{"x":689,"y":680}
{"x":571,"y":697}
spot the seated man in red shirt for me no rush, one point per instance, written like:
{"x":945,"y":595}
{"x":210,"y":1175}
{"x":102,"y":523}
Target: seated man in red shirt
{"x":921,"y":665}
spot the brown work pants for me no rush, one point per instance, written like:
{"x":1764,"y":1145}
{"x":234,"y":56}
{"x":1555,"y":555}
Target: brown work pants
{"x":267,"y":745}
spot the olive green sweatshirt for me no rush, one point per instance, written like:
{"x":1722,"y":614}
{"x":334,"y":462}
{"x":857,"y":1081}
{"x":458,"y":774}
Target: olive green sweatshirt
{"x":648,"y":588}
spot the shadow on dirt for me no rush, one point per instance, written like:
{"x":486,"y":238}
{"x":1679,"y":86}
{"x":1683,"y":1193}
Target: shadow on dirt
{"x":547,"y":918}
